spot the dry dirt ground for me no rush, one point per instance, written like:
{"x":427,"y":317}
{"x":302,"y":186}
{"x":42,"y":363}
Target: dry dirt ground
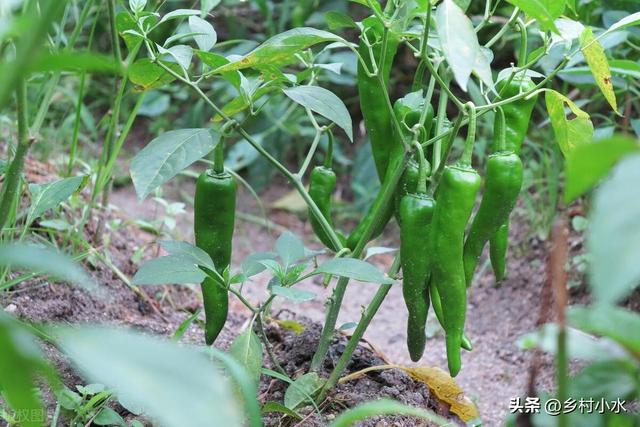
{"x":495,"y":371}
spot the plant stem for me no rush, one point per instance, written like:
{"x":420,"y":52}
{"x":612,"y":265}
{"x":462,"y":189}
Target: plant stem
{"x":444,"y":85}
{"x":267,"y":345}
{"x":467,"y":154}
{"x":441,"y":116}
{"x":504,"y":28}
{"x":309,"y":157}
{"x":335,"y":301}
{"x":13,"y":174}
{"x":364,"y":322}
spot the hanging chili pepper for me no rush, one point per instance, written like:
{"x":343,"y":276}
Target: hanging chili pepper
{"x":214,"y":219}
{"x":408,"y":111}
{"x":457,"y":192}
{"x":373,"y":96}
{"x":321,"y":186}
{"x":503,"y":181}
{"x":517,"y":117}
{"x":416,"y":211}
{"x":377,"y":117}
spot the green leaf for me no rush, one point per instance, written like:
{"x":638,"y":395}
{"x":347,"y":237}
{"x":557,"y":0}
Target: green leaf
{"x":167,"y":155}
{"x":378,"y":250}
{"x":214,"y":60}
{"x":622,"y":326}
{"x":75,"y":62}
{"x":460,"y":44}
{"x":290,"y":248}
{"x":193,"y":253}
{"x":597,"y":60}
{"x":354,"y":269}
{"x":325,"y":103}
{"x":272,"y":406}
{"x":252,"y":265}
{"x":165,"y":379}
{"x":384,"y":407}
{"x":293,"y":294}
{"x":580,"y":345}
{"x":168,"y":270}
{"x":128,"y":30}
{"x":589,"y":163}
{"x":207,"y":6}
{"x":44,"y":261}
{"x":614,"y":240}
{"x":337,"y":20}
{"x":569,"y":132}
{"x":184,"y":325}
{"x":301,"y":389}
{"x":137,"y":6}
{"x":182,"y":54}
{"x":20,"y":363}
{"x":609,"y":379}
{"x":48,"y":196}
{"x":208,"y":37}
{"x":543,"y":11}
{"x":109,"y":417}
{"x":626,"y":22}
{"x":179,"y":13}
{"x":148,"y":75}
{"x":280,"y":49}
{"x":247,"y":350}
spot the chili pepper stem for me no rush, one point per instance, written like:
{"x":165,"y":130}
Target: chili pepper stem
{"x":422,"y":171}
{"x":467,"y":154}
{"x":218,"y":157}
{"x":328,"y":160}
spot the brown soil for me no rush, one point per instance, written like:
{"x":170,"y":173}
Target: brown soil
{"x":494,"y":372}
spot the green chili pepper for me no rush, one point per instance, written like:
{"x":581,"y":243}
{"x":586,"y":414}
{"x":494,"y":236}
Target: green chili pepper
{"x":408,"y":111}
{"x":517,"y":116}
{"x":377,"y":118}
{"x":214,"y":218}
{"x":373,"y":98}
{"x":416,"y":210}
{"x":503,"y":181}
{"x":457,"y":192}
{"x":437,"y":309}
{"x":321,"y":186}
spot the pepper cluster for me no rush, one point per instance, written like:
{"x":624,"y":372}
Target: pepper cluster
{"x":438,"y":255}
{"x":433,"y":208}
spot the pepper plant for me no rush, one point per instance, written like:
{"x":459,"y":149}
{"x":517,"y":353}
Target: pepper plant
{"x":453,"y":63}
